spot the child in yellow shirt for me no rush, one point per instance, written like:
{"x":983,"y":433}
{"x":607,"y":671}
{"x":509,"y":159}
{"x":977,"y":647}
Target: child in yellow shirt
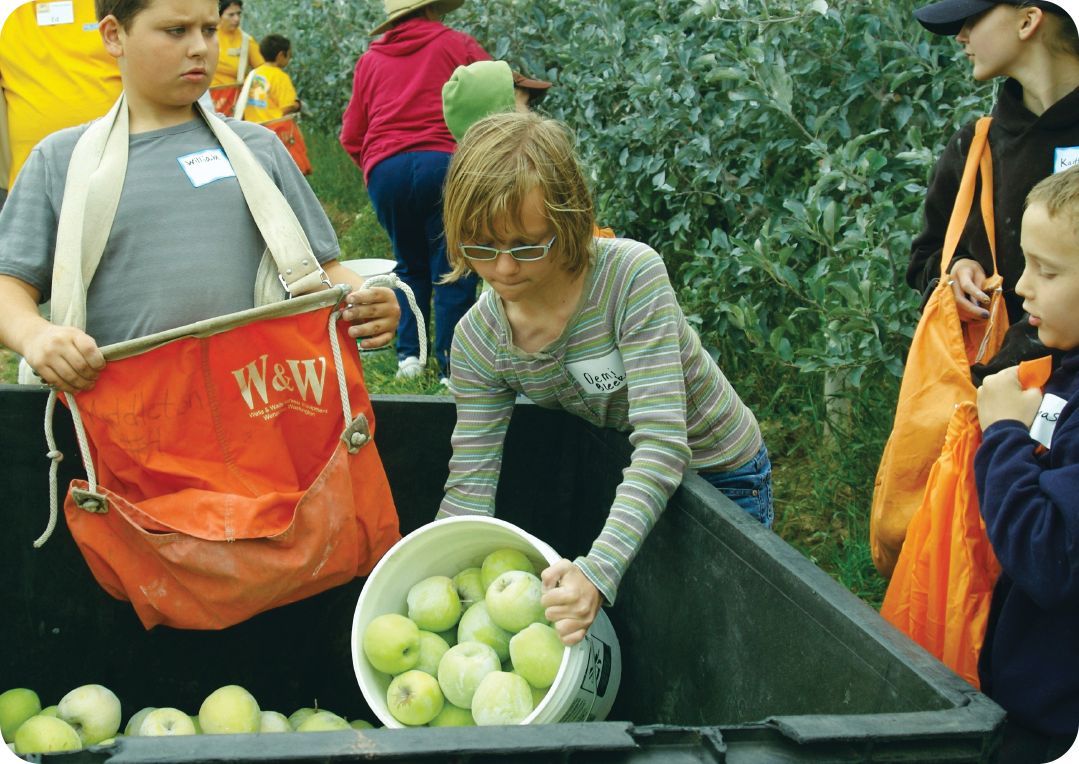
{"x":271,"y":94}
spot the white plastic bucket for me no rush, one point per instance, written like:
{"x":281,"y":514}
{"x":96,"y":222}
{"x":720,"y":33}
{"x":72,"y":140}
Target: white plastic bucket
{"x":370,"y":266}
{"x":587,"y":681}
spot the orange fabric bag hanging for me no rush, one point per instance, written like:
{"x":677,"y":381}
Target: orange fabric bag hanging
{"x":230,"y":467}
{"x":230,"y":473}
{"x":936,"y":377}
{"x":943,"y":583}
{"x":288,"y":131}
{"x":225,"y":97}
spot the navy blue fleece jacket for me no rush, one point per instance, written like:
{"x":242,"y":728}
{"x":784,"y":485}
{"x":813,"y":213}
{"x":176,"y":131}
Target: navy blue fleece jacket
{"x":1030,"y":501}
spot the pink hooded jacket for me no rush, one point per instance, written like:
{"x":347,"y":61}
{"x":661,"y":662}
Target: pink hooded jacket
{"x":396,"y":101}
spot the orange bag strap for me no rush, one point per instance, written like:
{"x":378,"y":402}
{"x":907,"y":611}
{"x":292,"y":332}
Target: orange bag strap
{"x":979,"y":162}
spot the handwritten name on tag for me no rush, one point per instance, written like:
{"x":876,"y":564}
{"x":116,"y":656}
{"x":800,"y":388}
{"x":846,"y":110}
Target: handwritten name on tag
{"x":1046,"y":420}
{"x":206,"y":166}
{"x":599,"y":375}
{"x":1065,"y":157}
{"x":51,"y":14}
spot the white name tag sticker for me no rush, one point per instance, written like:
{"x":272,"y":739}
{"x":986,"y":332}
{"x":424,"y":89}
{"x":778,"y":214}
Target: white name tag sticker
{"x":1046,"y":420}
{"x":600,"y":375}
{"x":1065,"y":157}
{"x":52,"y":14}
{"x":206,"y":166}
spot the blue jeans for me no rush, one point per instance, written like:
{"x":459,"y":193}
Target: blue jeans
{"x":406,"y":193}
{"x":749,"y":486}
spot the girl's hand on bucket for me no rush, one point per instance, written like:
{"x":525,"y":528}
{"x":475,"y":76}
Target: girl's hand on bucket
{"x":570,"y":600}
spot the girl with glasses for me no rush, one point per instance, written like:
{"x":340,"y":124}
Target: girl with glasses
{"x":589,"y":325}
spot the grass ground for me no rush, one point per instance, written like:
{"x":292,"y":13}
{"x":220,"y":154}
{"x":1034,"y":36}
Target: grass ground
{"x":822,"y":480}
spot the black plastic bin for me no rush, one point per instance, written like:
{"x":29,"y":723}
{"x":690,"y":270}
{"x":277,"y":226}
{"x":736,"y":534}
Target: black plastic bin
{"x":734,"y":646}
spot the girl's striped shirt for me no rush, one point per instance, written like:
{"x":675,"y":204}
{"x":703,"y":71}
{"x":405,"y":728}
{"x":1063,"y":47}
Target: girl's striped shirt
{"x":627,"y":359}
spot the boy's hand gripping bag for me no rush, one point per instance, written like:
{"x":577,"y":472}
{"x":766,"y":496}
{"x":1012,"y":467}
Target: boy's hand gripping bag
{"x":942,"y":586}
{"x":230,"y":471}
{"x":936,"y":377}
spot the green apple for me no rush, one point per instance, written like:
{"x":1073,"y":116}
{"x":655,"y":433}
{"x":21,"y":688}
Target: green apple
{"x":391,"y":643}
{"x":195,"y":721}
{"x":46,"y":734}
{"x":469,"y":585}
{"x":536,"y":652}
{"x":462,"y":668}
{"x":414,"y":698}
{"x":450,"y":636}
{"x":452,"y":716}
{"x":361,"y":724}
{"x":477,"y":626}
{"x":322,"y":721}
{"x":229,"y":710}
{"x":501,"y":698}
{"x":433,"y":604}
{"x":93,"y":711}
{"x":513,"y":600}
{"x":273,"y":721}
{"x":16,"y":706}
{"x":133,"y":724}
{"x":297,"y":717}
{"x":432,"y":648}
{"x":501,"y":560}
{"x":537,"y":696}
{"x":53,"y":710}
{"x":166,"y":722}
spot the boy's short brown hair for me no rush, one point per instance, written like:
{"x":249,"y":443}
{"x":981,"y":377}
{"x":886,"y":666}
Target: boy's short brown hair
{"x":125,"y":11}
{"x":501,"y":159}
{"x":1059,"y":193}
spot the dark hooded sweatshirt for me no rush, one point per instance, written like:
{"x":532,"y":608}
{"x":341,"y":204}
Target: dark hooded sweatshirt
{"x":1030,"y":501}
{"x":1025,"y":150}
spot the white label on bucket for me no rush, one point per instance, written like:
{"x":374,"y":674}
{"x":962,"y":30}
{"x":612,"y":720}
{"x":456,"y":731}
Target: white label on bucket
{"x":594,"y":681}
{"x":600,"y":375}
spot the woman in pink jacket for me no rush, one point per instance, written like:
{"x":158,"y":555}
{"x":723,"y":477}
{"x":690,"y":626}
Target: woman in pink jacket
{"x":394,"y":130}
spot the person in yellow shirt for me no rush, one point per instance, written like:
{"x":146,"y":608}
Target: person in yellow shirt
{"x":54,"y":73}
{"x":238,"y":51}
{"x":271,"y":94}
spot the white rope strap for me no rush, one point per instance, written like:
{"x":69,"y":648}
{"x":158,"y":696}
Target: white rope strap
{"x":391,"y":281}
{"x":56,"y":456}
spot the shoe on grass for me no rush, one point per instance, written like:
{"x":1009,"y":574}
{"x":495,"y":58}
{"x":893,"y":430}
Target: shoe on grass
{"x":409,"y":367}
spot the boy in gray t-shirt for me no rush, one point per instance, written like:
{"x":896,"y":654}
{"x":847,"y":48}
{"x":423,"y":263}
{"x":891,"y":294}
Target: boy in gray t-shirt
{"x":182,"y":247}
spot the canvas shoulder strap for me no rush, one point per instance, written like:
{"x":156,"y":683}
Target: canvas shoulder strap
{"x":95,"y":180}
{"x":245,"y":51}
{"x":241,"y":100}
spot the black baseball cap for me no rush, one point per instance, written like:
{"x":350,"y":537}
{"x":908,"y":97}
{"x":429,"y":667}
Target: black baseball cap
{"x":947,"y":16}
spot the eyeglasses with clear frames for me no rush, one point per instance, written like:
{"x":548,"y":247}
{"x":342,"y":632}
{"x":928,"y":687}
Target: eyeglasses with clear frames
{"x":525,"y":254}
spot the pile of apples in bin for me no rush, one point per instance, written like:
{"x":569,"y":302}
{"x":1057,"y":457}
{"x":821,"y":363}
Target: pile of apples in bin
{"x":474,"y":649}
{"x":90,"y":715}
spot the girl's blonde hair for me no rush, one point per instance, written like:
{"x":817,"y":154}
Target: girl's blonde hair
{"x":501,"y":159}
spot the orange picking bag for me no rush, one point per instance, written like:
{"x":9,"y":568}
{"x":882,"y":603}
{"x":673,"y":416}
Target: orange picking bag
{"x":230,"y":464}
{"x":229,"y":471}
{"x":225,"y":97}
{"x":936,"y":377}
{"x":942,"y":586}
{"x":288,"y":130}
